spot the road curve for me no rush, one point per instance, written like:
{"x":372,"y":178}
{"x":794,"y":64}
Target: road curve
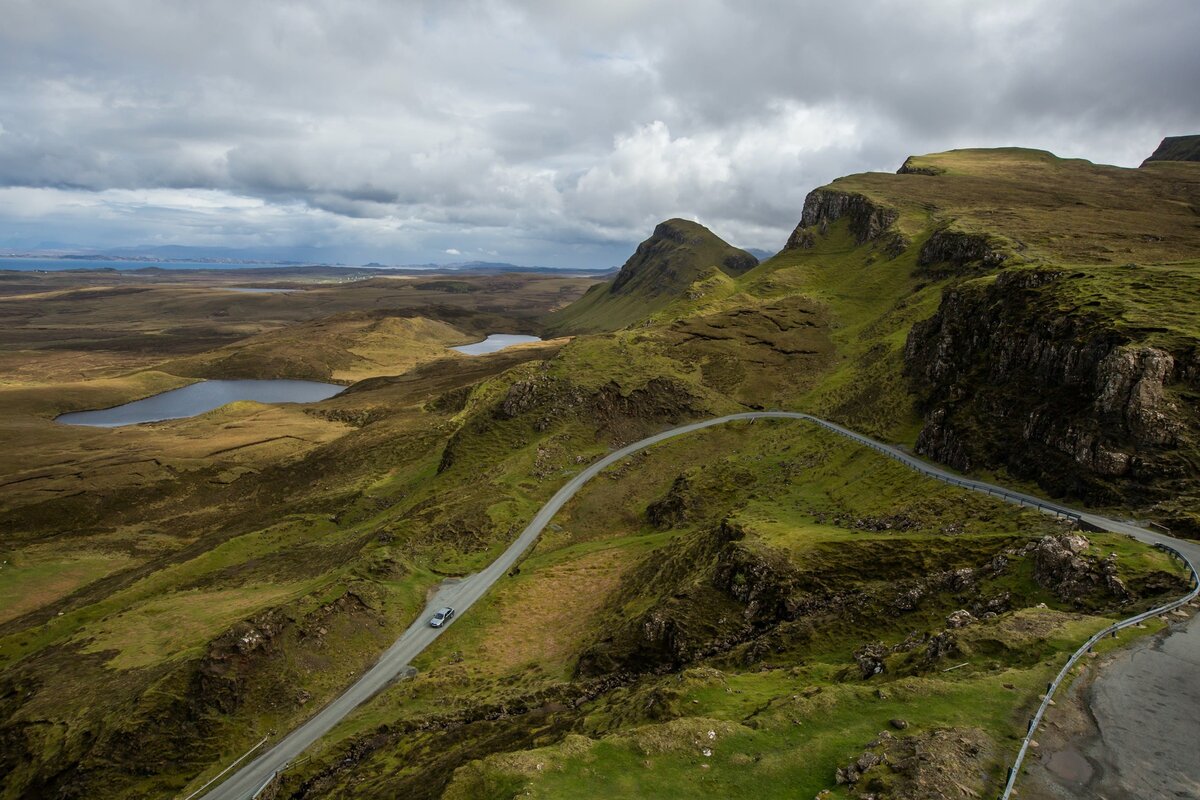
{"x":249,"y":780}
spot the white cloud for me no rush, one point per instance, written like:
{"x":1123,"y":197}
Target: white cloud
{"x":538,"y":130}
{"x":450,"y":251}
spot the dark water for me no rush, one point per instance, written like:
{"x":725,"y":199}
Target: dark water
{"x":256,"y":290}
{"x":497,"y":341}
{"x":200,"y":397}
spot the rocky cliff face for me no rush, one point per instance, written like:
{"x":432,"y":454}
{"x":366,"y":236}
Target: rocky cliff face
{"x":1177,"y":148}
{"x":822,"y":207}
{"x":958,"y":249}
{"x":1006,"y":379}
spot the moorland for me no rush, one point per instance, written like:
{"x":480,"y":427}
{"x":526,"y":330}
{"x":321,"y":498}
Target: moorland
{"x":760,"y":610}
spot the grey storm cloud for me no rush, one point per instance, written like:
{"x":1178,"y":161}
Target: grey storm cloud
{"x":541,"y":131}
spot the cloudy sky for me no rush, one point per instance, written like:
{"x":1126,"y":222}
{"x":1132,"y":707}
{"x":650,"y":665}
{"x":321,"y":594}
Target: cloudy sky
{"x":535,"y":131}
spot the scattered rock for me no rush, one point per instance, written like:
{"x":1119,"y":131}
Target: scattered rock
{"x":1061,"y":565}
{"x":960,"y":619}
{"x":942,"y":763}
{"x":870,"y":658}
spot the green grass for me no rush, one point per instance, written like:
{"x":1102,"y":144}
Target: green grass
{"x":688,"y":260}
{"x":34,"y":577}
{"x":366,"y":511}
{"x":228,"y":559}
{"x":775,"y":736}
{"x":173,"y":626}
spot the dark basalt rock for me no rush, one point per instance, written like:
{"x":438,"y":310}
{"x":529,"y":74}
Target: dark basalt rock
{"x":961,"y":249}
{"x":870,"y":658}
{"x":822,"y":207}
{"x":911,"y":166}
{"x":1176,"y":148}
{"x":1006,"y":379}
{"x":1061,"y":565}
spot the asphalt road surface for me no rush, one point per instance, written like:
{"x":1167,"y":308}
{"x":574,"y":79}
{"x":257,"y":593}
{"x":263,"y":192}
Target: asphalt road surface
{"x":244,"y":783}
{"x":1131,"y":731}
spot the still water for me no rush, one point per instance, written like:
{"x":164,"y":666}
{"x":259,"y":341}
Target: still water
{"x":200,"y":397}
{"x":497,"y":341}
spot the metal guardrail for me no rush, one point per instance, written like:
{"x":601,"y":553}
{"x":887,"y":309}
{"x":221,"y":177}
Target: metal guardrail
{"x":927,"y":469}
{"x":966,"y":483}
{"x":264,"y":786}
{"x":221,"y":774}
{"x":1015,"y":770}
{"x":1059,"y":511}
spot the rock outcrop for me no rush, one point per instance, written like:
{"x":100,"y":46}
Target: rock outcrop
{"x":544,"y":400}
{"x":941,"y":763}
{"x":1177,"y":148}
{"x":956,"y":248}
{"x":678,"y":260}
{"x":822,"y":207}
{"x":660,"y":261}
{"x":916,"y":165}
{"x":1060,"y":564}
{"x":1006,"y":379}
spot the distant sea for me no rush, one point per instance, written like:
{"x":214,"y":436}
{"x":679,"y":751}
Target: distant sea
{"x":33,"y":264}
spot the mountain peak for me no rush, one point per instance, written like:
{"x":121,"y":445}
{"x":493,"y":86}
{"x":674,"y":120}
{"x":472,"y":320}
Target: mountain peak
{"x":661,"y":270}
{"x":676,"y":254}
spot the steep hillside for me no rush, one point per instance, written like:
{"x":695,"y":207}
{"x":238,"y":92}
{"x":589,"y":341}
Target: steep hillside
{"x":736,"y":613}
{"x":664,"y":268}
{"x":1064,"y":344}
{"x":1176,"y":148}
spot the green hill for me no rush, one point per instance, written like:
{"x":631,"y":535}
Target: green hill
{"x":664,"y":267}
{"x":736,"y":613}
{"x":1063,"y":343}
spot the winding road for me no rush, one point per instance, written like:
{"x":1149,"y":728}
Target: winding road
{"x":251,"y":779}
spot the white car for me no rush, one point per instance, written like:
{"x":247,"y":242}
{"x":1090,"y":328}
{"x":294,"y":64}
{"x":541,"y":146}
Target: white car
{"x":442,"y":616}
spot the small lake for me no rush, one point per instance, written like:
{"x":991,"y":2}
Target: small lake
{"x":197,"y":398}
{"x":497,"y":341}
{"x":256,"y":290}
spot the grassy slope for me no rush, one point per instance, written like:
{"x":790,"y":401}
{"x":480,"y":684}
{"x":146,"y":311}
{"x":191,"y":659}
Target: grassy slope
{"x":346,"y":348}
{"x":682,"y":258}
{"x":775,"y":731}
{"x":131,"y":552}
{"x":363,"y":510}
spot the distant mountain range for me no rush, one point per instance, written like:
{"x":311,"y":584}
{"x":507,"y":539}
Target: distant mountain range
{"x":228,"y":257}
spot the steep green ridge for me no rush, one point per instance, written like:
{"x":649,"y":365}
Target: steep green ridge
{"x":1064,"y":347}
{"x":678,"y":255}
{"x":1176,"y":148}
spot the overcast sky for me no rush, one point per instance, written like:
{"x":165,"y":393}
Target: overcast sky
{"x":540,"y":132}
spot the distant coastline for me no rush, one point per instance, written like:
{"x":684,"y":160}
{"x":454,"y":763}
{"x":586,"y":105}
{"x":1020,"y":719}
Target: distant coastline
{"x":64,"y":263}
{"x":92,"y":263}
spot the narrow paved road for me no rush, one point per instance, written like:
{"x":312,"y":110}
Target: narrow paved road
{"x":244,"y":783}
